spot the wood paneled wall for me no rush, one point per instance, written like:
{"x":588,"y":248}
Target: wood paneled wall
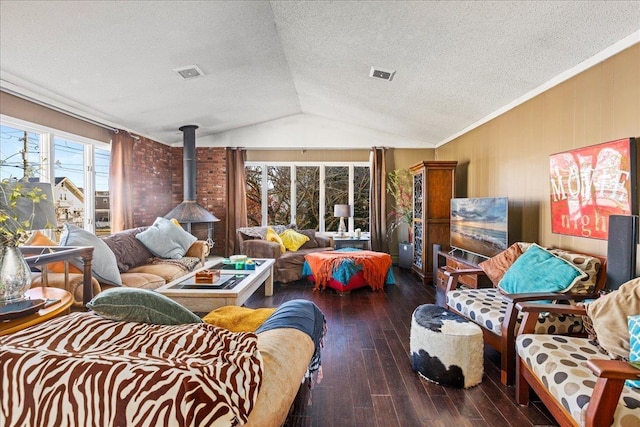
{"x":509,"y":156}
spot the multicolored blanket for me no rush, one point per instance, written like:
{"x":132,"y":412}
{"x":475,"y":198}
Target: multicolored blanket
{"x":83,"y":370}
{"x":375,"y":266}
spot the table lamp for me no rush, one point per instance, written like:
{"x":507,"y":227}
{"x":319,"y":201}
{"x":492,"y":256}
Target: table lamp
{"x":342,"y":211}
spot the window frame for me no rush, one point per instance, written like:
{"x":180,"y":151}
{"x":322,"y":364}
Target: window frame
{"x":47,"y":158}
{"x":322,"y":166}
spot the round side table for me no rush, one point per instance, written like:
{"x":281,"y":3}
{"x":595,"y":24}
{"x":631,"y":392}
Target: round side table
{"x":57,"y":309}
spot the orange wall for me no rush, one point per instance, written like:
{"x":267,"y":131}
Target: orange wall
{"x":509,"y":156}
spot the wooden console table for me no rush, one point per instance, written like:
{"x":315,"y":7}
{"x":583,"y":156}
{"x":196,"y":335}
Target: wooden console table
{"x":42,"y":255}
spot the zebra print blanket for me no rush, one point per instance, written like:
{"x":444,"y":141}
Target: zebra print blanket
{"x":83,"y":370}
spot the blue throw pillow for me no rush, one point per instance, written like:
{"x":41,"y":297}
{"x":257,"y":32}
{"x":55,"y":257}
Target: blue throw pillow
{"x":104,"y":265}
{"x":634,"y":347}
{"x":165,"y":239}
{"x":538,"y":270}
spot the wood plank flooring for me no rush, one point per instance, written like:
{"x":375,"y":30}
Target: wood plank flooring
{"x":368,"y":379}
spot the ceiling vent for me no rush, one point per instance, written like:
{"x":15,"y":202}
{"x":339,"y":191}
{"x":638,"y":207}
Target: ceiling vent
{"x":189,"y":72}
{"x":381,"y":73}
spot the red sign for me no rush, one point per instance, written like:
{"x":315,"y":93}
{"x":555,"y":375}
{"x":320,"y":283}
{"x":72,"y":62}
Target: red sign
{"x":591,"y":183}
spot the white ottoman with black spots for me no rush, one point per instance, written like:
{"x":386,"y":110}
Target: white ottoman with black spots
{"x":446,"y":348}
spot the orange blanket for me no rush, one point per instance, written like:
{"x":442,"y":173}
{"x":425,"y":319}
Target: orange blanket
{"x":374,"y":266}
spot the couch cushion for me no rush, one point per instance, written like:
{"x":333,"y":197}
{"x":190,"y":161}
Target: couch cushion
{"x":496,"y":266}
{"x":142,"y":280}
{"x":128,"y":250}
{"x":560,"y":363}
{"x":140,"y":305}
{"x":537,"y":270}
{"x":166,"y":239}
{"x":293,"y":240}
{"x":168,"y":269}
{"x":487,"y":307}
{"x":39,"y":239}
{"x":589,"y":264}
{"x":272,"y":236}
{"x":312,"y":242}
{"x":104,"y":265}
{"x":634,"y":347}
{"x":609,"y":316}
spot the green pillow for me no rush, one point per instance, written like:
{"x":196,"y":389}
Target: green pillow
{"x":538,"y":270}
{"x":140,"y":305}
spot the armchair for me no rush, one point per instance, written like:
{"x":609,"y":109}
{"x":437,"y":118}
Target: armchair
{"x":579,"y":384}
{"x":498,"y":316}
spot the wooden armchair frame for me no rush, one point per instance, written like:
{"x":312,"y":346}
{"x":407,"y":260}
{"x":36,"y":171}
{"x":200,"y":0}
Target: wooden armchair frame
{"x":611,"y":375}
{"x":505,"y":343}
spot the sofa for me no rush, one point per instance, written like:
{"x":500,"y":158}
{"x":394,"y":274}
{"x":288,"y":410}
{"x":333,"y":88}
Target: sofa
{"x":188,"y":374}
{"x":255,"y":243}
{"x":524,"y":272}
{"x":582,"y":380}
{"x":120,"y":254}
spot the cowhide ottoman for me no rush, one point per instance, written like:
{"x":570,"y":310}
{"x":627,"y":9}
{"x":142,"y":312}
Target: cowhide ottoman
{"x":446,"y":348}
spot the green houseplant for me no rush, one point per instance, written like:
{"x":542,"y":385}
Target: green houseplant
{"x":24,"y":206}
{"x":400,"y":186}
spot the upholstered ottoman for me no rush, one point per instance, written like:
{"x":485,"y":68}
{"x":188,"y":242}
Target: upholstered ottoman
{"x":446,"y":348}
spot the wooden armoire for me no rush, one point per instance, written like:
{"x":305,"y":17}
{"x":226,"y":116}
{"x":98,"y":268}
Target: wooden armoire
{"x":434,"y":185}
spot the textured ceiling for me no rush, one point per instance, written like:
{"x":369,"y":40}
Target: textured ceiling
{"x":456,"y":62}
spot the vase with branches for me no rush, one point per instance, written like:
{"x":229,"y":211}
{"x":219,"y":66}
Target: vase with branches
{"x":400,"y":186}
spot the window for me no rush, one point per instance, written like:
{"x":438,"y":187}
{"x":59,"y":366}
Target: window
{"x":284,"y":193}
{"x":75,"y":165}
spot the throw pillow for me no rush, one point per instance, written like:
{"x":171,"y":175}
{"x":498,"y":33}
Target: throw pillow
{"x":164,"y":239}
{"x":238,"y":319}
{"x":104,"y":265}
{"x":129,"y":251}
{"x":496,"y":266}
{"x":140,"y":305}
{"x":634,"y":348}
{"x":272,"y":236}
{"x":537,"y":270}
{"x":609,"y":316}
{"x":40,"y":239}
{"x":292,"y":240}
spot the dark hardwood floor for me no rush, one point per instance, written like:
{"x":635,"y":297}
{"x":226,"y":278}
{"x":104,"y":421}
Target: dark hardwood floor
{"x":368,"y":379}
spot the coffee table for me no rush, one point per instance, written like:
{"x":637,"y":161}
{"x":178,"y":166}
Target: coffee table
{"x":233,"y":288}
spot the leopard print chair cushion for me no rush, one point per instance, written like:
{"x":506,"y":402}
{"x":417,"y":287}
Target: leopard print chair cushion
{"x":487,"y":308}
{"x":560,"y":363}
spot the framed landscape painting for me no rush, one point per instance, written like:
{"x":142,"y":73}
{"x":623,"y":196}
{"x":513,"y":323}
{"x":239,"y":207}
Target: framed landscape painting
{"x":589,"y":184}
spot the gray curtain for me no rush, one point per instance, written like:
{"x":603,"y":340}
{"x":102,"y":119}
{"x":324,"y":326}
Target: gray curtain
{"x":236,"y":198}
{"x":378,"y":209}
{"x":120,"y":191}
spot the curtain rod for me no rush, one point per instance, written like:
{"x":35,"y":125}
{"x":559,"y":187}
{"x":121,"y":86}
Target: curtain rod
{"x":58,"y":109}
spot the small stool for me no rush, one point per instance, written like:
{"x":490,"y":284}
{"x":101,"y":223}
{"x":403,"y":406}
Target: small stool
{"x":446,"y":348}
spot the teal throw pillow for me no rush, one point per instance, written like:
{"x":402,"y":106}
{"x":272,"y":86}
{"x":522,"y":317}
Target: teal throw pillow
{"x":537,"y":270}
{"x":165,"y":239}
{"x":140,"y":305}
{"x":104,"y":265}
{"x":634,"y":348}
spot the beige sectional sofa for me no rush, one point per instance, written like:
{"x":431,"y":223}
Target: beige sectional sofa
{"x":288,"y":266}
{"x":136,"y":266}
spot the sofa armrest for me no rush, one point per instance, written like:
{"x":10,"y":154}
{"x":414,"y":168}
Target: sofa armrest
{"x":453,"y":276}
{"x":532,"y":311}
{"x":258,"y":248}
{"x":323,"y":241}
{"x":606,"y":394}
{"x":199,"y":249}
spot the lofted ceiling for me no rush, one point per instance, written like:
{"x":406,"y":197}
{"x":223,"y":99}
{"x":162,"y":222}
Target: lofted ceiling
{"x":457,"y":63}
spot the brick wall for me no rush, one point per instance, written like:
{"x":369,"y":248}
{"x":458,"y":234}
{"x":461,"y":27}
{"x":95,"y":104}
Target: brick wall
{"x":157,"y":186}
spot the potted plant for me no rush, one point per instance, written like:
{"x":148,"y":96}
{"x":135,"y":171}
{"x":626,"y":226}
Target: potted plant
{"x":21,"y":210}
{"x":400,"y":186}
